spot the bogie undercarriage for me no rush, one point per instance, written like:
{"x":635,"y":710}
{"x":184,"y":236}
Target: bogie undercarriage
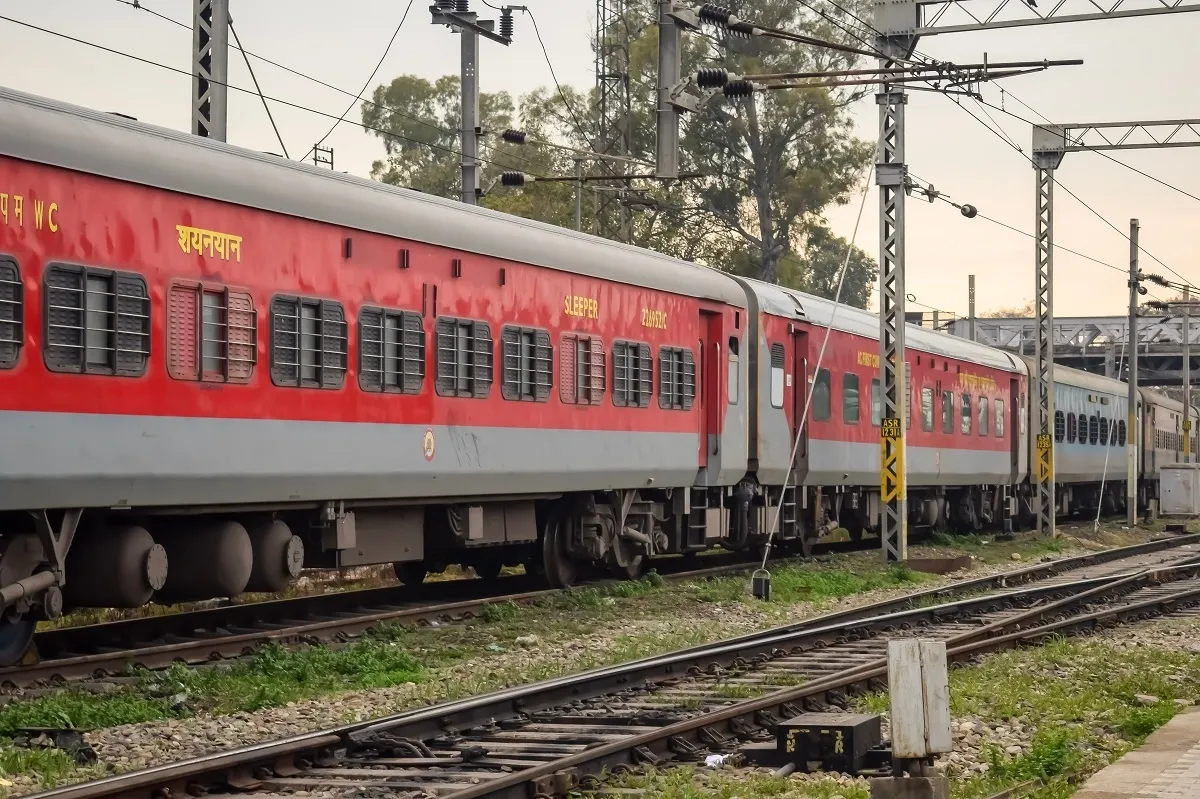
{"x":53,"y":562}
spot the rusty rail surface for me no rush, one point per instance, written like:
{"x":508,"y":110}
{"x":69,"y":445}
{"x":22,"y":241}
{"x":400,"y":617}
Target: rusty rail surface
{"x":505,"y":743}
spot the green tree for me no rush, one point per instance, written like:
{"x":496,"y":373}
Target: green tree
{"x":772,"y":162}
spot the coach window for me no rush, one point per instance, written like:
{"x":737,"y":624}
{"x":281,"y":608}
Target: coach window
{"x":632,"y":374}
{"x":777,"y":358}
{"x":1103,"y":432}
{"x":676,"y":378}
{"x":927,"y":410}
{"x":966,"y":414}
{"x":212,"y":333}
{"x":1071,"y":427}
{"x":998,"y":412}
{"x":876,"y":403}
{"x":850,"y":403}
{"x":983,"y":416}
{"x":465,"y":362}
{"x":1121,"y":431}
{"x":947,"y":411}
{"x":1094,"y":431}
{"x":1062,"y":427}
{"x":308,"y":342}
{"x":12,"y":314}
{"x":391,"y":351}
{"x":735,"y":375}
{"x":526,"y":364}
{"x":97,"y":321}
{"x":822,"y":399}
{"x":581,"y":370}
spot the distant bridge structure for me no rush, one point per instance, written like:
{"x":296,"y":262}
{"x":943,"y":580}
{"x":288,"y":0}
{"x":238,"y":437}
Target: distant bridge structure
{"x":1097,"y":344}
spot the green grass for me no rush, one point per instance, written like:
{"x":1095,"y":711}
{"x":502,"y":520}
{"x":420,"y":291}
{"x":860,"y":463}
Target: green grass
{"x":1080,"y":695}
{"x":695,"y":783}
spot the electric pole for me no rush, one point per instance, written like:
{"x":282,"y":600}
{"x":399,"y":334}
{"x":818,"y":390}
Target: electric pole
{"x":613,"y":113}
{"x":458,"y":16}
{"x":1187,"y":374}
{"x":971,"y":305}
{"x":1131,"y":475}
{"x":210,"y":68}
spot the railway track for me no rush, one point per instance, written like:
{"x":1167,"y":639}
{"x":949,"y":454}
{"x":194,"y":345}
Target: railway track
{"x":102,"y":650}
{"x":98,"y":651}
{"x":550,"y":737}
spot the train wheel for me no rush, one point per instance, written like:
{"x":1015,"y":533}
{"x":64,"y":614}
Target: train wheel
{"x":410,"y":572}
{"x":488,"y":570}
{"x":559,"y":569}
{"x":16,"y":636}
{"x":853,"y":524}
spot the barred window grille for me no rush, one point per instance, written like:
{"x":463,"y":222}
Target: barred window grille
{"x":464,"y":358}
{"x":212,"y":334}
{"x":1104,"y":424}
{"x":632,"y":374}
{"x":1073,"y":429}
{"x":527,"y":364}
{"x":676,"y":378}
{"x":391,"y":348}
{"x":1060,"y":426}
{"x":1094,"y":430}
{"x":308,"y":342}
{"x":12,"y":314}
{"x":97,"y":321}
{"x":581,"y":370}
{"x":1121,"y":432}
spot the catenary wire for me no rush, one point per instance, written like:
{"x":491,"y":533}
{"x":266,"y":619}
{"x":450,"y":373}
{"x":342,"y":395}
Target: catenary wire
{"x":356,"y":97}
{"x":258,"y":89}
{"x":287,"y":103}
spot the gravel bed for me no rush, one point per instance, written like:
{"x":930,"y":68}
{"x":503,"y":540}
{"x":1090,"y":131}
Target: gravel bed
{"x":136,"y":746}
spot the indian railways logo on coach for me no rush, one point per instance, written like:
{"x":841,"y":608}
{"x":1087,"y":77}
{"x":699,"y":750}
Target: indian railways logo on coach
{"x":428,"y":444}
{"x":225,"y":245}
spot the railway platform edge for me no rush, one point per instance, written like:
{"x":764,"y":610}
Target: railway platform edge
{"x":1166,"y":766}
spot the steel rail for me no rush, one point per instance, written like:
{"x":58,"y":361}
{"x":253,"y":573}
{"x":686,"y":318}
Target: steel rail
{"x":243,"y":768}
{"x":651,"y":748}
{"x":211,"y":634}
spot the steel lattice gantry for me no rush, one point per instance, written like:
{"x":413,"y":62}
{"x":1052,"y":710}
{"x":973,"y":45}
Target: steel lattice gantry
{"x":899,"y":25}
{"x":210,"y":68}
{"x":613,"y":108}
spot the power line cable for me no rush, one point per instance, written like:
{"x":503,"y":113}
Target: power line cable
{"x":580,"y":128}
{"x":358,"y":97}
{"x":258,"y":89}
{"x":287,"y":103}
{"x":1100,"y":153}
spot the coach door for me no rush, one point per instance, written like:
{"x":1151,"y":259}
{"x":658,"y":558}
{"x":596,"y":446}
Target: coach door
{"x":1013,"y":412}
{"x":709,"y":383}
{"x":800,"y":389}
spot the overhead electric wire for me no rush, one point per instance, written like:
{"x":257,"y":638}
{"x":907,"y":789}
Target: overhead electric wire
{"x":580,"y":128}
{"x":258,"y":88}
{"x":319,"y":82}
{"x":1100,"y":153}
{"x":287,"y":103}
{"x":366,"y":85}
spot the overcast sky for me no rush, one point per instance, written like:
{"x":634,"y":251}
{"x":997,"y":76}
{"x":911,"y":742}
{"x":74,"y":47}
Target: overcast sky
{"x":1127,"y":75}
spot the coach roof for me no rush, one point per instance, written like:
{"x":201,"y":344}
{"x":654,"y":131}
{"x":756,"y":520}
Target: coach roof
{"x":819,"y":311}
{"x":45,"y":131}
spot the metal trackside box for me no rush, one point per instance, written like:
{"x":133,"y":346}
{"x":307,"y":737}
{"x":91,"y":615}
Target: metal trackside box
{"x":838,"y":741}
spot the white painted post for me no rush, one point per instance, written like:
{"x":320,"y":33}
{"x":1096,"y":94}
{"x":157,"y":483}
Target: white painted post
{"x":907,"y":699}
{"x":919,"y":685}
{"x":935,"y":683}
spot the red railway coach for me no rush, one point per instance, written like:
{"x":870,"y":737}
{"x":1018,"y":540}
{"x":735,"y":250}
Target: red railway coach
{"x":217,"y":366}
{"x":965,"y":427}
